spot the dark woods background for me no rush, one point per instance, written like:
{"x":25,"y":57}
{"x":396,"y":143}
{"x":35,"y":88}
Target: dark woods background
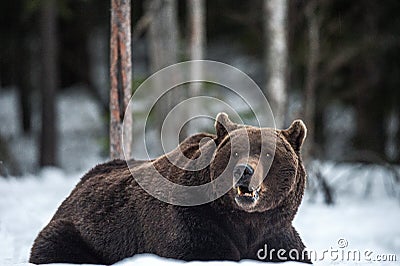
{"x":47,"y":48}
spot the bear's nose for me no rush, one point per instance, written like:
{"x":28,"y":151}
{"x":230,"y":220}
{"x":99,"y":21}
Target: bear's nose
{"x":242,"y":174}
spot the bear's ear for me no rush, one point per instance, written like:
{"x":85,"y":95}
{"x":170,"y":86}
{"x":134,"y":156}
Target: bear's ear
{"x":296,"y":134}
{"x":223,"y":125}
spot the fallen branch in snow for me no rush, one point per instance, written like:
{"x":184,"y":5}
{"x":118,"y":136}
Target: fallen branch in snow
{"x":318,"y":182}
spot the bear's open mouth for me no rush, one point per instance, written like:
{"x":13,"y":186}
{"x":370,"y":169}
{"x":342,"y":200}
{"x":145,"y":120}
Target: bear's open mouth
{"x":246,"y":191}
{"x":246,"y":196}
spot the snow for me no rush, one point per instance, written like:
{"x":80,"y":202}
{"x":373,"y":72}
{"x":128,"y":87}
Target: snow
{"x":26,"y":205}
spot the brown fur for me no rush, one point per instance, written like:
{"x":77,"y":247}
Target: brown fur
{"x":108,"y":216}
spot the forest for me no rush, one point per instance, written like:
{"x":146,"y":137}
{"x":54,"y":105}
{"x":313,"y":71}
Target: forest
{"x":335,"y":64}
{"x":341,"y":61}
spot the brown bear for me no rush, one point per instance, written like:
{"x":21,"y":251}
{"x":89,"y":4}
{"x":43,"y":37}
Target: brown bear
{"x":109,"y":216}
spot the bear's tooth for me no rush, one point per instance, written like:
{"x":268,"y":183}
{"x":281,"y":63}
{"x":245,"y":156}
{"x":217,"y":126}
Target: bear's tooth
{"x":239,"y":191}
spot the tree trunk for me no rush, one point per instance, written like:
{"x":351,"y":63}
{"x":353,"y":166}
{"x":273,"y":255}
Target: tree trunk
{"x":121,"y":79}
{"x":163,"y":33}
{"x":163,"y":44}
{"x":197,"y":39}
{"x":312,"y":74}
{"x":370,"y":137}
{"x":318,"y":135}
{"x":8,"y":164}
{"x":49,"y":78}
{"x":24,"y":83}
{"x":397,"y":136}
{"x":197,"y":31}
{"x":275,"y":12}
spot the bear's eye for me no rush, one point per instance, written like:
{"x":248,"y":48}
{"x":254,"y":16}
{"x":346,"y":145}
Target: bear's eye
{"x":235,"y":154}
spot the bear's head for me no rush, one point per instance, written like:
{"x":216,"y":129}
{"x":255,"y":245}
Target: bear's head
{"x":261,"y":166}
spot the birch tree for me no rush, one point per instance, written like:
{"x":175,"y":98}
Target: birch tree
{"x":163,"y":33}
{"x":163,"y":50}
{"x":121,"y":79}
{"x":196,"y":48}
{"x":275,"y":14}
